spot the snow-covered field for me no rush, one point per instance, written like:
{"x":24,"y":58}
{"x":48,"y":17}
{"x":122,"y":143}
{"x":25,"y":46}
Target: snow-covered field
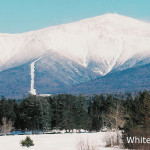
{"x":68,"y":141}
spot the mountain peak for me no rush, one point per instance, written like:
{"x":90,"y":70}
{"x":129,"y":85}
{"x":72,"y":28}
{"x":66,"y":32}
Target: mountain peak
{"x":101,"y":43}
{"x":111,"y":17}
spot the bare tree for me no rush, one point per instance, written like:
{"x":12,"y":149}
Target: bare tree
{"x":115,"y":117}
{"x":115,"y":120}
{"x":6,"y":126}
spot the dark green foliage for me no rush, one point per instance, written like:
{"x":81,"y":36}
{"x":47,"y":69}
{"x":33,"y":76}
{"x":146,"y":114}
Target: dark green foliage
{"x":68,"y":122}
{"x":66,"y":111}
{"x":82,"y":120}
{"x":96,"y":112}
{"x":69,"y":112}
{"x":63,"y":111}
{"x":7,"y":109}
{"x":35,"y":113}
{"x":138,"y":111}
{"x":138,"y":120}
{"x":3,"y":108}
{"x":27,"y":142}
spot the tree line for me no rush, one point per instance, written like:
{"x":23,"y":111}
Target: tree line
{"x":66,"y":111}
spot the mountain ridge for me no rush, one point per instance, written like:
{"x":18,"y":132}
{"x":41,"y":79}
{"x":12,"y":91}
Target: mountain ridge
{"x":129,"y":80}
{"x":107,"y":40}
{"x":73,"y":54}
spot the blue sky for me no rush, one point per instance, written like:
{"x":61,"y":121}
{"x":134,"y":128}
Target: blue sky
{"x":24,"y":15}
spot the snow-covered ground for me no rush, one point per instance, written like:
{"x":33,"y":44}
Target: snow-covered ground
{"x":67,"y":141}
{"x":33,"y":91}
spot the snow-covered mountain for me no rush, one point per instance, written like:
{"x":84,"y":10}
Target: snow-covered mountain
{"x":52,"y":59}
{"x":101,"y":44}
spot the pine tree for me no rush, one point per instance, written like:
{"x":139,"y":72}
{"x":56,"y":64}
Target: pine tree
{"x":35,"y":113}
{"x":81,"y":115}
{"x":96,"y":111}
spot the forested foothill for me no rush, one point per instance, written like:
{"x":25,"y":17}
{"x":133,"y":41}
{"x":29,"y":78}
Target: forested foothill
{"x":127,"y":112}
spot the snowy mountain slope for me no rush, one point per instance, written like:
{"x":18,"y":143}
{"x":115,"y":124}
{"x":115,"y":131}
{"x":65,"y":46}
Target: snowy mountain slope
{"x":50,"y":73}
{"x":15,"y":82}
{"x":19,"y":49}
{"x":102,"y":44}
{"x":130,"y":80}
{"x":54,"y":73}
{"x":76,"y":53}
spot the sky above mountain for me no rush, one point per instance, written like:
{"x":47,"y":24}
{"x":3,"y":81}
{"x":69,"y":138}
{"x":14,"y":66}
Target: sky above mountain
{"x":20,"y":16}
